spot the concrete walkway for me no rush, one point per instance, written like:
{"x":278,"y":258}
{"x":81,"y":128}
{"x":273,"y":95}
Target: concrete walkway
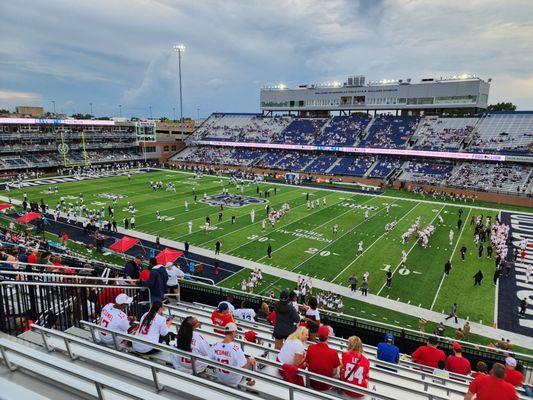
{"x":476,"y":328}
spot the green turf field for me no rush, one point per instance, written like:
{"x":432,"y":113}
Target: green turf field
{"x":303,"y":240}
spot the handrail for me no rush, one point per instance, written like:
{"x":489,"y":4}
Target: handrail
{"x":46,"y":265}
{"x":130,"y":358}
{"x":424,"y":335}
{"x":247,"y":373}
{"x":58,"y":275}
{"x":403,"y":365}
{"x":55,"y":284}
{"x":99,"y":383}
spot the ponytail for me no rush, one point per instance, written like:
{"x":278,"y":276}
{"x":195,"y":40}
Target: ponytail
{"x":150,"y":315}
{"x":184,"y":340}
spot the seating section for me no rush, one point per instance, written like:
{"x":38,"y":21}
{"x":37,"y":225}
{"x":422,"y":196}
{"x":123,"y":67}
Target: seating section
{"x":294,"y":161}
{"x":390,"y":132}
{"x":342,"y":131}
{"x":385,"y":167}
{"x":300,"y":131}
{"x":506,"y":133}
{"x":427,"y":172}
{"x":440,"y":134}
{"x":514,"y":178}
{"x":240,"y":128}
{"x":321,"y":164}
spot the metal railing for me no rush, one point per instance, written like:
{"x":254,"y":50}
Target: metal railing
{"x":291,"y":388}
{"x":59,"y":304}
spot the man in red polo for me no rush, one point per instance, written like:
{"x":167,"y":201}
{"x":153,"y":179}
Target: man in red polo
{"x":513,"y":376}
{"x":429,"y":355}
{"x":491,"y":387}
{"x":456,"y":363}
{"x":321,"y":359}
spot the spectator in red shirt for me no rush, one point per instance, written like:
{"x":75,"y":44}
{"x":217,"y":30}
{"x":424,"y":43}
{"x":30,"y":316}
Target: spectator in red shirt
{"x":321,"y":359}
{"x":221,"y":317}
{"x":429,"y":355}
{"x":33,"y":258}
{"x":491,"y":387}
{"x":456,"y":363}
{"x":513,"y":376}
{"x":481,"y":369}
{"x":355,"y":366}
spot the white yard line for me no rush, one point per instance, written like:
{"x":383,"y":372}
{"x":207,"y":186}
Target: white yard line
{"x":451,"y":257}
{"x":372,"y":244}
{"x":290,"y":223}
{"x":412,"y":247}
{"x":246,"y":215}
{"x":318,"y":227}
{"x":464,"y":205}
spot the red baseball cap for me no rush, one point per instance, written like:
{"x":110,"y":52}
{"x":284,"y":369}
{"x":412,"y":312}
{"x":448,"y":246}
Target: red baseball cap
{"x":456,"y":346}
{"x":250,"y":336}
{"x":145,"y":275}
{"x":323,"y":331}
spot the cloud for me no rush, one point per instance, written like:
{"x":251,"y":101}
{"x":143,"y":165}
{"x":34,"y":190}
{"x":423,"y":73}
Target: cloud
{"x":112,"y":52}
{"x":18,"y":96}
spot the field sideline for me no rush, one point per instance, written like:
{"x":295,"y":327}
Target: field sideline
{"x":303,"y":240}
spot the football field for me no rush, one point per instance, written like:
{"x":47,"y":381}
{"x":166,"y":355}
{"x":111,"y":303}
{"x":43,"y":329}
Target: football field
{"x":303,"y":240}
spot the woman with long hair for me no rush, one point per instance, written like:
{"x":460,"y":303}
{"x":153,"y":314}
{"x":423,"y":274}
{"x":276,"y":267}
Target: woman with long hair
{"x":293,"y":350}
{"x":286,"y":318}
{"x":355,"y":367}
{"x":152,"y":327}
{"x":190,"y":340}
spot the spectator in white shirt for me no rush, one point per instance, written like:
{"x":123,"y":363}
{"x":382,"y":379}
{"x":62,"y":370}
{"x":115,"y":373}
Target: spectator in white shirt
{"x":228,"y":301}
{"x":245,"y":312}
{"x":293,"y":350}
{"x":312,"y":318}
{"x":153,"y":327}
{"x":230,"y":353}
{"x":113,"y":317}
{"x":190,"y":340}
{"x":174,"y":273}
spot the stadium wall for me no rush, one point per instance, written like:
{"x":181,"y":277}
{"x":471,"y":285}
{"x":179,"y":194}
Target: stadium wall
{"x":482,"y":196}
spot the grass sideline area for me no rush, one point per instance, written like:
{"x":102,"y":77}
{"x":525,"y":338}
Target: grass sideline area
{"x":303,"y":240}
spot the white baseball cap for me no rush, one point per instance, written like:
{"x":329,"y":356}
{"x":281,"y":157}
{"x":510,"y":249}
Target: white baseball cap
{"x":169,"y":264}
{"x":231,"y":327}
{"x":510,"y":361}
{"x":123,"y":298}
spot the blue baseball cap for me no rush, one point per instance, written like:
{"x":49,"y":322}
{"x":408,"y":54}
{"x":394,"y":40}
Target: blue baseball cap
{"x":389,"y":336}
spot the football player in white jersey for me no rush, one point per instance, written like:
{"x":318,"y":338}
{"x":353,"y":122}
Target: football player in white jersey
{"x":229,"y":352}
{"x":113,"y":317}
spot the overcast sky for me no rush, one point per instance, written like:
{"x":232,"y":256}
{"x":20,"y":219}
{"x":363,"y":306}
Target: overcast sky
{"x":112,"y":52}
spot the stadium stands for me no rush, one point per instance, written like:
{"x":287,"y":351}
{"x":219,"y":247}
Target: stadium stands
{"x":342,"y":131}
{"x":300,"y":131}
{"x":505,"y":133}
{"x":427,"y":172}
{"x":392,"y":132}
{"x":439,"y":134}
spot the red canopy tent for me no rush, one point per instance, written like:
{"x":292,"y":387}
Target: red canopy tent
{"x":4,"y":206}
{"x":28,"y":217}
{"x":124,"y":244}
{"x":168,"y":255}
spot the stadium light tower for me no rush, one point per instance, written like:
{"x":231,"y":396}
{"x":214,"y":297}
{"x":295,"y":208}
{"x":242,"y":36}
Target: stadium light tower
{"x":179,"y":48}
{"x":120,"y":110}
{"x":54,"y":104}
{"x":91,"y":107}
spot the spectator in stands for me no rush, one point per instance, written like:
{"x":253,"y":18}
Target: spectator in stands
{"x":492,"y":386}
{"x":113,"y":317}
{"x":388,"y":351}
{"x":293,"y":350}
{"x":153,"y":327}
{"x":246,"y":312}
{"x":312,"y":318}
{"x":429,"y":355}
{"x":174,"y":273}
{"x":229,"y":301}
{"x":512,"y":375}
{"x":321,"y":359}
{"x":132,"y":270}
{"x":355,"y":367}
{"x":191,"y":341}
{"x":156,"y":282}
{"x":229,"y":352}
{"x":440,"y":372}
{"x":263,"y":312}
{"x":481,"y":369}
{"x":286,"y":318}
{"x":456,"y":363}
{"x":221,"y":316}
